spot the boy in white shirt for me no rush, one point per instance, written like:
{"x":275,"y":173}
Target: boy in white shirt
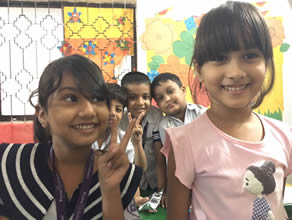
{"x":169,"y":93}
{"x":135,"y":152}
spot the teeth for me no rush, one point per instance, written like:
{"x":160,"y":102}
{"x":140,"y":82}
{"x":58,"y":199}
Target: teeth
{"x":234,"y":88}
{"x":85,"y":126}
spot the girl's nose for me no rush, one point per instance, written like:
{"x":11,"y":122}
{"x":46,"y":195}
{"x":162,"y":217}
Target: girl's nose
{"x":235,"y":70}
{"x":86,"y":109}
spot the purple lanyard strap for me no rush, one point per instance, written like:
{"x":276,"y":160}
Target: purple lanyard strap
{"x":60,"y":195}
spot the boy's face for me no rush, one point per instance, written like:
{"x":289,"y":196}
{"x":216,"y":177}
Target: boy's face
{"x":139,"y":99}
{"x":116,"y":111}
{"x":170,"y":98}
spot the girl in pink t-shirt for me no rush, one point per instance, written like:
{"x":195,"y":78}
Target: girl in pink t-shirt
{"x":231,"y":161}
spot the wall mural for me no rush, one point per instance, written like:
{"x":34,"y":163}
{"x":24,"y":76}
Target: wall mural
{"x":105,"y":35}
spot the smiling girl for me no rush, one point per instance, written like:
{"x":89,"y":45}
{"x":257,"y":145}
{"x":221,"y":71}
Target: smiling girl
{"x":60,"y":177}
{"x":208,"y":158}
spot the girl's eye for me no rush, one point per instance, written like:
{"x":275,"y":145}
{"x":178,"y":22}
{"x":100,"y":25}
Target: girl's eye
{"x":97,"y":99}
{"x":71,"y":98}
{"x":220,"y":58}
{"x":250,"y":56}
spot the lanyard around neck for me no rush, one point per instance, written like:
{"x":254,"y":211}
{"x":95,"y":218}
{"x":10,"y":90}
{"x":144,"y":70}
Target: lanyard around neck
{"x":60,"y":195}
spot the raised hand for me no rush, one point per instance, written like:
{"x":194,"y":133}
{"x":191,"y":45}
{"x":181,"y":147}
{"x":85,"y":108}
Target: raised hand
{"x":113,"y":164}
{"x":137,"y":130}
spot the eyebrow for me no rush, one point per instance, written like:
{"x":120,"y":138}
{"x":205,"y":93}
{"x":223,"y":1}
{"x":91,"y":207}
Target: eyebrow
{"x":74,"y":89}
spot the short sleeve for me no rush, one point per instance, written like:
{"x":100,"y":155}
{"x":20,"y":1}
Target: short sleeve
{"x":162,"y":132}
{"x":289,"y":170}
{"x":157,"y":117}
{"x":183,"y":155}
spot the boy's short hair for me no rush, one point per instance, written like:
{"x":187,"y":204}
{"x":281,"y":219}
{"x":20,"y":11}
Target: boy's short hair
{"x":117,"y":93}
{"x":134,"y":78}
{"x":163,"y":77}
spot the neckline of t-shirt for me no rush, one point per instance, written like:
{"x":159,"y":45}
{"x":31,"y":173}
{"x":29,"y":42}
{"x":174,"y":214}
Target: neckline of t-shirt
{"x":236,"y":140}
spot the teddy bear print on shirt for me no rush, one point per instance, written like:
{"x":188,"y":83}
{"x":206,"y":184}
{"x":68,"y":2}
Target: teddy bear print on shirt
{"x":260,"y":181}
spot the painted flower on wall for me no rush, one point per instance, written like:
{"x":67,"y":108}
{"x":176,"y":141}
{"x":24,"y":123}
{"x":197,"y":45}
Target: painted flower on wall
{"x":65,"y":48}
{"x":123,"y":44}
{"x":158,"y":36}
{"x":89,"y":48}
{"x":121,"y":20}
{"x":74,"y":16}
{"x":108,"y":58}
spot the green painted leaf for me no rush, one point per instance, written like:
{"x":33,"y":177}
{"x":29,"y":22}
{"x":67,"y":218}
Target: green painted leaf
{"x":188,"y":58}
{"x":180,"y":48}
{"x":153,"y":65}
{"x":284,"y":47}
{"x":193,"y":31}
{"x":187,"y":37}
{"x":157,"y":59}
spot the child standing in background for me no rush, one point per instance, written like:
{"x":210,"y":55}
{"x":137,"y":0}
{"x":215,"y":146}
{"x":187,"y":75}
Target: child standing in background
{"x":209,"y":158}
{"x":137,"y":87}
{"x":170,"y":96}
{"x":61,"y":177}
{"x":134,"y":149}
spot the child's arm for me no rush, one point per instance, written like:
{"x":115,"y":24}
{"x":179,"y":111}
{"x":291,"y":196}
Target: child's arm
{"x":160,"y":166}
{"x":138,"y":198}
{"x":112,"y":166}
{"x":178,"y":195}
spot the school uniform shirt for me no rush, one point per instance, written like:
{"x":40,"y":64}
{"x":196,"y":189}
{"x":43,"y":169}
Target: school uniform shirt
{"x":150,"y":125}
{"x":192,"y":112}
{"x":129,"y":150}
{"x":212,"y":164}
{"x":27,"y":185}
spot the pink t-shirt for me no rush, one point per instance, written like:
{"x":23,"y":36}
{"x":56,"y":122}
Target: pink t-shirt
{"x":213,"y":164}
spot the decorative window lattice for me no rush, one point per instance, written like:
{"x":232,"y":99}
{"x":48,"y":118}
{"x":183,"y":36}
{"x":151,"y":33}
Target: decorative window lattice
{"x":30,"y":38}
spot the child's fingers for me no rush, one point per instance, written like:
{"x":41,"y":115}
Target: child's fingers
{"x":109,"y":156}
{"x":140,"y":117}
{"x":114,"y":133}
{"x":128,"y":133}
{"x":130,"y":117}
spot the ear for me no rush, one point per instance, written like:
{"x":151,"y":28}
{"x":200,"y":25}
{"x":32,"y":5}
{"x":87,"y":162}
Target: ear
{"x":198,"y":73}
{"x":183,"y":90}
{"x":41,"y":115}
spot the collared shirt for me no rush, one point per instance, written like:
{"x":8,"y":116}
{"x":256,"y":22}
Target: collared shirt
{"x":192,"y":112}
{"x":151,"y":121}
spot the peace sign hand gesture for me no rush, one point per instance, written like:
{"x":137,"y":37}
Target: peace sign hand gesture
{"x":137,"y":130}
{"x":113,"y":164}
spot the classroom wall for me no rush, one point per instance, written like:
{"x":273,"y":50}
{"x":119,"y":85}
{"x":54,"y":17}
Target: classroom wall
{"x":183,"y":8}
